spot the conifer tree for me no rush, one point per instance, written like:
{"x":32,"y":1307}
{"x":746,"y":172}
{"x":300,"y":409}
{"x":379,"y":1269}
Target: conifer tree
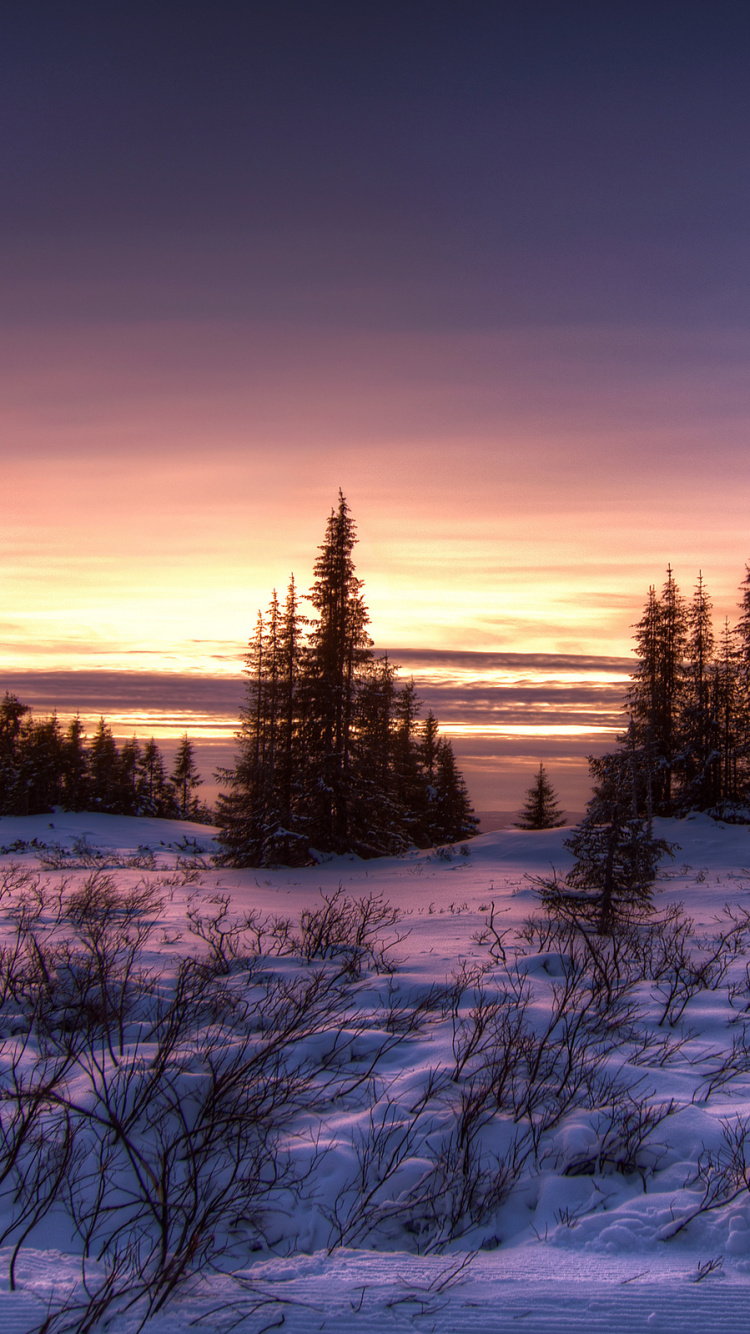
{"x":339,"y":650}
{"x":329,"y":754}
{"x":74,"y":767}
{"x":616,"y":854}
{"x":12,"y":714}
{"x":542,"y":810}
{"x":128,"y":784}
{"x":728,"y":792}
{"x":185,"y":779}
{"x":409,"y":778}
{"x":289,"y":759}
{"x":104,"y":770}
{"x":156,"y":795}
{"x":696,"y":761}
{"x":39,"y":749}
{"x":743,"y":685}
{"x":452,"y":816}
{"x":656,"y":695}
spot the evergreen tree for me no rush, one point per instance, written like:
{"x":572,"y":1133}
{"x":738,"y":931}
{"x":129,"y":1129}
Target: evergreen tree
{"x":376,"y":817}
{"x":743,"y":685}
{"x":105,"y":789}
{"x":329,"y":751}
{"x":728,"y":792}
{"x":155,"y":794}
{"x":453,"y":818}
{"x":12,"y":714}
{"x":128,"y":786}
{"x":289,"y":757}
{"x":616,"y":854}
{"x":541,"y":810}
{"x":39,"y":748}
{"x":696,"y":762}
{"x":261,"y":814}
{"x":339,"y":650}
{"x":656,"y":695}
{"x":185,"y":779}
{"x":428,"y":747}
{"x":74,"y":768}
{"x":410,"y":783}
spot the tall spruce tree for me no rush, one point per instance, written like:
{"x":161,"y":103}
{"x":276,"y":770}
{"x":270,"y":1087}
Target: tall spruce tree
{"x":743,"y":686}
{"x":262,"y":816}
{"x":104,"y":771}
{"x":696,"y":761}
{"x":453,"y":818}
{"x":156,"y":795}
{"x":729,"y":793}
{"x":74,"y":767}
{"x":541,"y":810}
{"x":186,"y":779}
{"x":339,"y":651}
{"x":656,"y":694}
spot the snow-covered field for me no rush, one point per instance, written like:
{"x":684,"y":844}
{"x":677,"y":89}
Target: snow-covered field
{"x":462,"y":1130}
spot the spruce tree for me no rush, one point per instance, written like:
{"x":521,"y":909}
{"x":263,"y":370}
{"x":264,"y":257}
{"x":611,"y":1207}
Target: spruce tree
{"x":729,"y":791}
{"x":12,"y":714}
{"x":339,"y":650}
{"x":656,"y":695}
{"x":185,"y":779}
{"x":542,"y":810}
{"x":329,"y":753}
{"x":743,"y":686}
{"x":74,"y":767}
{"x":696,"y":761}
{"x":128,"y":779}
{"x":453,"y":818}
{"x":409,"y":778}
{"x":616,"y":854}
{"x":104,"y":770}
{"x":39,"y":751}
{"x":156,"y":795}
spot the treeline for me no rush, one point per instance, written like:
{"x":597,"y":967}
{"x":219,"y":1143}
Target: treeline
{"x":689,"y":701}
{"x":331,"y":753}
{"x":686,"y":748}
{"x":43,"y":765}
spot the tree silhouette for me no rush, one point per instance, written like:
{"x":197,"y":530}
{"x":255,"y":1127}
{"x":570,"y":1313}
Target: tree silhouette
{"x":541,"y":810}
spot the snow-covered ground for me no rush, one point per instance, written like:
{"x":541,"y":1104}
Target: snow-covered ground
{"x":456,"y":1160}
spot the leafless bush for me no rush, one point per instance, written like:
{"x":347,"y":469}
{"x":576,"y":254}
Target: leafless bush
{"x":658,"y":948}
{"x":151,"y":1104}
{"x":720,"y":1176}
{"x":729,"y":1065}
{"x":84,"y":856}
{"x":351,"y":931}
{"x":623,"y":1139}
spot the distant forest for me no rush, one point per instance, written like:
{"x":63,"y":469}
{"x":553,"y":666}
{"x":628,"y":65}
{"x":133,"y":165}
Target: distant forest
{"x":42,"y":765}
{"x":687,"y":747}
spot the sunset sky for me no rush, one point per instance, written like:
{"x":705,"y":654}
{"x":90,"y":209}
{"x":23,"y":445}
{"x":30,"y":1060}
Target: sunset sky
{"x":483,"y":266}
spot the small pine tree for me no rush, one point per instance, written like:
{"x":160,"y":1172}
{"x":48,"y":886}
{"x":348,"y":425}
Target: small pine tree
{"x":156,"y":795}
{"x":104,"y":770}
{"x":542,"y":810}
{"x":452,"y":813}
{"x":185,"y":779}
{"x":74,"y":767}
{"x":616,"y":854}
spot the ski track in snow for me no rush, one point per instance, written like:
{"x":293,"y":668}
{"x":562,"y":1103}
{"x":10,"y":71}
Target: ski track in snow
{"x":606,"y":1272}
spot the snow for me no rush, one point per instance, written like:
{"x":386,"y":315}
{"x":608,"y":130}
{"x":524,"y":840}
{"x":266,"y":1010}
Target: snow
{"x":575,"y":1243}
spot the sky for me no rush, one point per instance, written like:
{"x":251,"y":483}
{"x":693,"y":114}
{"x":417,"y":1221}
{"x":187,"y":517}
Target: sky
{"x":483,"y":266}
